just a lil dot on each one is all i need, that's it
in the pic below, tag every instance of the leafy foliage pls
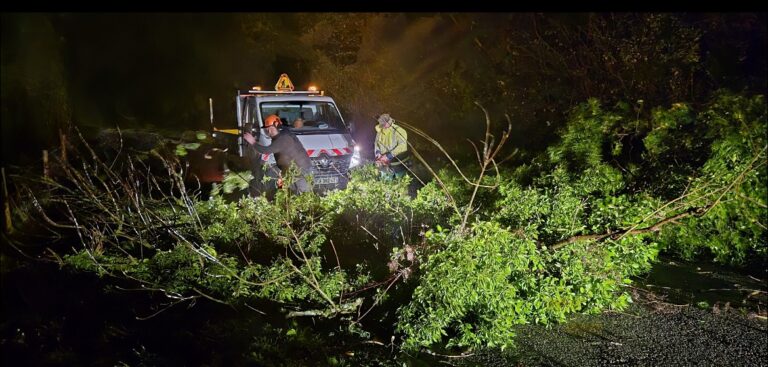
(559, 235)
(735, 229)
(567, 239)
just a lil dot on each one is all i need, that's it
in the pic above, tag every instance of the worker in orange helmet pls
(287, 150)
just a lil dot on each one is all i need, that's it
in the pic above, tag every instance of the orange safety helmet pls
(272, 120)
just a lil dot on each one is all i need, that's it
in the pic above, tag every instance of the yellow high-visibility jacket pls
(391, 141)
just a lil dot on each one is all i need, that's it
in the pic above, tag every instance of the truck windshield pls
(304, 116)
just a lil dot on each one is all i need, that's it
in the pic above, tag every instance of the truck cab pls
(313, 117)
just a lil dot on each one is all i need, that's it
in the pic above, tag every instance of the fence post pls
(63, 140)
(46, 168)
(6, 205)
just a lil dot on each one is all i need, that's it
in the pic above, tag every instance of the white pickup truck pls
(315, 120)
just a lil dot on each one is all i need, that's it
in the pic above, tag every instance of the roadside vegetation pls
(480, 248)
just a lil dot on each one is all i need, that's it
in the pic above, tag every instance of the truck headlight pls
(355, 161)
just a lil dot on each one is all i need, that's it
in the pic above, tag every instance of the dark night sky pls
(158, 70)
(127, 70)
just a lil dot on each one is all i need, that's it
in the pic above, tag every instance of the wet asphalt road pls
(641, 336)
(683, 315)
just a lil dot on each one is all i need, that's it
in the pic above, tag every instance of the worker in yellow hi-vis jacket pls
(391, 147)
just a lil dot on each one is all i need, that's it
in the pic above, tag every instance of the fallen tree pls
(476, 254)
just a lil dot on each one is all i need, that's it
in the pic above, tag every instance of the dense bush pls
(566, 239)
(561, 234)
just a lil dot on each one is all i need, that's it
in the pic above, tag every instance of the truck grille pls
(325, 165)
(330, 173)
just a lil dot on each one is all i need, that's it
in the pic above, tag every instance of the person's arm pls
(377, 145)
(264, 149)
